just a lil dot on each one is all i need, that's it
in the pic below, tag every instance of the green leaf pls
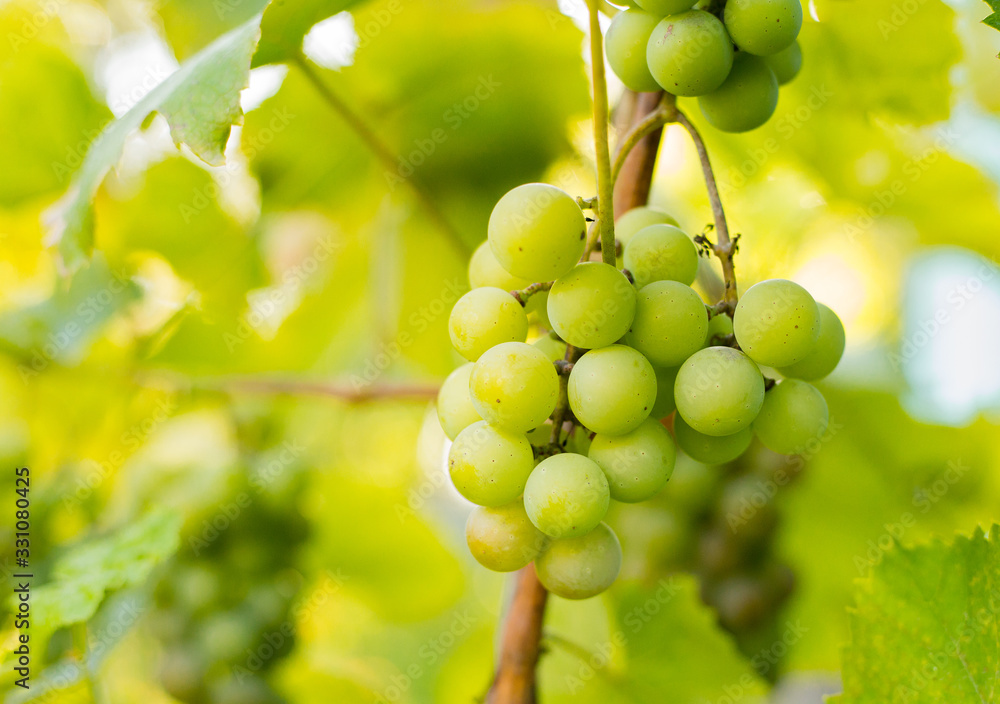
(925, 626)
(994, 19)
(200, 101)
(286, 23)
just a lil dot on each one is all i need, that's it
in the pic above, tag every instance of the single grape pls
(566, 495)
(483, 318)
(708, 449)
(454, 402)
(640, 218)
(786, 64)
(719, 391)
(485, 270)
(579, 441)
(719, 326)
(579, 568)
(763, 27)
(664, 404)
(514, 386)
(612, 390)
(637, 464)
(777, 323)
(592, 305)
(490, 466)
(662, 8)
(537, 232)
(625, 46)
(670, 323)
(794, 415)
(690, 53)
(552, 346)
(661, 253)
(826, 353)
(746, 100)
(537, 309)
(502, 538)
(693, 486)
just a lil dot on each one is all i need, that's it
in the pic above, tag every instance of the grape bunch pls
(545, 435)
(731, 55)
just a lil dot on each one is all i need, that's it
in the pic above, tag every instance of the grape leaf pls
(201, 102)
(994, 19)
(925, 625)
(285, 24)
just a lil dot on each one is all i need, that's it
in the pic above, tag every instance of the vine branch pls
(602, 154)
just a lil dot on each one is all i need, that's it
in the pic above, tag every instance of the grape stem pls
(602, 154)
(527, 292)
(665, 112)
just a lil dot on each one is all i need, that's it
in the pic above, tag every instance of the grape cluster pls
(687, 51)
(546, 435)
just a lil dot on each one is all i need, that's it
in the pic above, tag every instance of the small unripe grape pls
(662, 8)
(690, 53)
(719, 326)
(661, 253)
(612, 390)
(793, 416)
(786, 63)
(625, 45)
(592, 305)
(763, 27)
(514, 386)
(485, 270)
(708, 449)
(746, 100)
(628, 224)
(637, 464)
(503, 539)
(664, 404)
(454, 402)
(670, 323)
(777, 323)
(553, 347)
(537, 232)
(490, 466)
(579, 568)
(483, 318)
(719, 391)
(566, 495)
(826, 353)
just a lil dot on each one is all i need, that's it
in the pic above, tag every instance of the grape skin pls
(592, 305)
(579, 568)
(503, 538)
(662, 8)
(625, 46)
(826, 353)
(720, 326)
(670, 324)
(566, 495)
(483, 318)
(661, 253)
(632, 221)
(454, 402)
(637, 464)
(747, 98)
(690, 53)
(719, 391)
(763, 27)
(664, 404)
(612, 390)
(490, 466)
(794, 415)
(537, 232)
(786, 64)
(708, 449)
(554, 348)
(776, 323)
(485, 270)
(514, 386)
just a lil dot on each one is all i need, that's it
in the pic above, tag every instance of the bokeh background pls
(238, 485)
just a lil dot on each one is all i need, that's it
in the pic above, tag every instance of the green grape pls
(592, 305)
(664, 404)
(719, 391)
(708, 449)
(502, 538)
(777, 323)
(566, 495)
(537, 232)
(786, 64)
(637, 464)
(485, 270)
(719, 326)
(579, 568)
(693, 485)
(612, 390)
(661, 253)
(794, 415)
(640, 218)
(662, 8)
(670, 323)
(537, 309)
(454, 402)
(514, 386)
(763, 27)
(490, 466)
(553, 347)
(579, 441)
(690, 53)
(826, 354)
(746, 100)
(483, 318)
(625, 46)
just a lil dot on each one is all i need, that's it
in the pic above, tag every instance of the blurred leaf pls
(994, 19)
(286, 22)
(925, 625)
(192, 24)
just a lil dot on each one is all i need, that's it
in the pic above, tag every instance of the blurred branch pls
(664, 112)
(635, 174)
